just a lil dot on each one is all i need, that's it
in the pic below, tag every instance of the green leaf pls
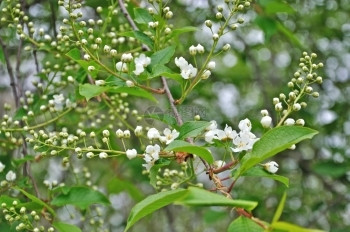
(36, 200)
(192, 129)
(2, 57)
(267, 24)
(279, 209)
(6, 199)
(63, 227)
(81, 197)
(17, 162)
(201, 197)
(153, 203)
(140, 36)
(85, 64)
(135, 91)
(290, 35)
(74, 54)
(154, 170)
(166, 118)
(179, 145)
(288, 227)
(158, 70)
(276, 6)
(273, 142)
(329, 168)
(243, 224)
(260, 172)
(114, 81)
(89, 91)
(117, 185)
(163, 56)
(142, 16)
(182, 30)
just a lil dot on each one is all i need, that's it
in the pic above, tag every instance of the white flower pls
(192, 50)
(103, 155)
(210, 136)
(105, 133)
(151, 156)
(211, 65)
(140, 63)
(130, 83)
(11, 176)
(187, 70)
(264, 112)
(126, 57)
(278, 106)
(131, 153)
(213, 125)
(289, 122)
(126, 134)
(100, 82)
(174, 186)
(244, 141)
(58, 101)
(89, 155)
(169, 135)
(2, 167)
(296, 107)
(206, 74)
(153, 133)
(119, 133)
(121, 67)
(300, 122)
(245, 125)
(271, 167)
(266, 121)
(138, 131)
(227, 133)
(200, 49)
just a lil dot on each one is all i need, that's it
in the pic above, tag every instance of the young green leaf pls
(63, 227)
(201, 197)
(81, 197)
(243, 224)
(179, 145)
(36, 200)
(273, 142)
(74, 54)
(153, 203)
(260, 172)
(135, 91)
(142, 16)
(163, 56)
(89, 91)
(192, 129)
(288, 227)
(279, 209)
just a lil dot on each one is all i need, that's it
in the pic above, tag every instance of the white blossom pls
(245, 139)
(210, 136)
(266, 121)
(187, 70)
(130, 83)
(140, 63)
(245, 125)
(2, 167)
(121, 67)
(126, 57)
(211, 65)
(151, 156)
(200, 49)
(289, 122)
(271, 167)
(100, 82)
(131, 153)
(11, 176)
(153, 133)
(169, 135)
(206, 74)
(103, 155)
(219, 163)
(138, 131)
(119, 133)
(227, 133)
(213, 125)
(58, 101)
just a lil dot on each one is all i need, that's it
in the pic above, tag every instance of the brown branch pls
(225, 167)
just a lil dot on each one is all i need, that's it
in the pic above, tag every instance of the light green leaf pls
(85, 64)
(243, 224)
(63, 227)
(135, 91)
(192, 129)
(279, 209)
(273, 142)
(288, 227)
(153, 203)
(36, 200)
(163, 56)
(74, 54)
(290, 35)
(201, 197)
(267, 24)
(142, 16)
(89, 91)
(260, 172)
(179, 31)
(117, 185)
(179, 145)
(276, 6)
(81, 197)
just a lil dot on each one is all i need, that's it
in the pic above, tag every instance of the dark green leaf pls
(260, 172)
(243, 224)
(179, 145)
(163, 56)
(37, 200)
(62, 227)
(192, 129)
(201, 197)
(273, 142)
(142, 16)
(89, 91)
(116, 186)
(153, 203)
(81, 197)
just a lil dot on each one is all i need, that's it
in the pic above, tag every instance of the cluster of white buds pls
(266, 120)
(196, 49)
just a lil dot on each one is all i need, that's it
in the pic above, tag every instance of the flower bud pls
(271, 167)
(226, 47)
(266, 121)
(289, 122)
(119, 133)
(211, 65)
(296, 107)
(208, 23)
(130, 83)
(300, 122)
(105, 133)
(100, 82)
(131, 153)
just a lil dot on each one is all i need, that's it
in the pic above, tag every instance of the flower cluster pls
(187, 70)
